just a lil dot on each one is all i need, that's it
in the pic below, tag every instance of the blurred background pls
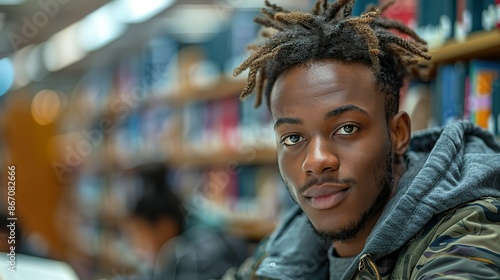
(106, 102)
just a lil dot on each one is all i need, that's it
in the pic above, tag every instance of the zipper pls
(253, 273)
(366, 263)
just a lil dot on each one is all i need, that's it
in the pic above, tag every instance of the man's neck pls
(354, 246)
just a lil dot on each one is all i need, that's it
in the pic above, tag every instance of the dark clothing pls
(201, 253)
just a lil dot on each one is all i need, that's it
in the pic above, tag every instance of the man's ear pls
(400, 130)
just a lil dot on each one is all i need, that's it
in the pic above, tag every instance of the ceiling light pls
(99, 28)
(19, 59)
(136, 11)
(46, 107)
(7, 77)
(35, 68)
(204, 21)
(252, 4)
(62, 49)
(11, 2)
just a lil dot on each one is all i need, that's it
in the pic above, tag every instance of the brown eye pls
(292, 140)
(347, 129)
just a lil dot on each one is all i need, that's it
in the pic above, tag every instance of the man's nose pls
(320, 157)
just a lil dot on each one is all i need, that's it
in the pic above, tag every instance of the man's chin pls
(328, 235)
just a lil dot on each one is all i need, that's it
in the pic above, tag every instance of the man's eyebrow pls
(331, 114)
(340, 110)
(282, 121)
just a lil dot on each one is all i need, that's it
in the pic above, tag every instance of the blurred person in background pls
(171, 246)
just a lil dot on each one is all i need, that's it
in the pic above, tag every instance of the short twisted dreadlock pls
(330, 31)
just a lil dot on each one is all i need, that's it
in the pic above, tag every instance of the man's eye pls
(292, 140)
(347, 129)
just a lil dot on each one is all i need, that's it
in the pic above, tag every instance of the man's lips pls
(325, 196)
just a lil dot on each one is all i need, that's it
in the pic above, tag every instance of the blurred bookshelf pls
(222, 151)
(477, 45)
(246, 156)
(481, 44)
(222, 86)
(458, 83)
(462, 79)
(174, 105)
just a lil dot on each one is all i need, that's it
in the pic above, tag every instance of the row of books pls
(243, 190)
(440, 21)
(227, 123)
(247, 191)
(142, 135)
(158, 69)
(469, 90)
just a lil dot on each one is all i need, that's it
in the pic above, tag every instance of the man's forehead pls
(326, 73)
(324, 83)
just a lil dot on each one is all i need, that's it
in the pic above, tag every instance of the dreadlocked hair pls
(330, 31)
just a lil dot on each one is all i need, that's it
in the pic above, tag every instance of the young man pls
(384, 206)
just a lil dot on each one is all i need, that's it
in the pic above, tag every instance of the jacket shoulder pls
(247, 269)
(463, 242)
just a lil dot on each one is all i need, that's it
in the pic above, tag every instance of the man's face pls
(334, 148)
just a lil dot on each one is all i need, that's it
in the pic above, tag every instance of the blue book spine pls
(451, 107)
(473, 14)
(495, 109)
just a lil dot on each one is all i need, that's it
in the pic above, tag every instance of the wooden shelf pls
(221, 88)
(186, 157)
(484, 44)
(252, 228)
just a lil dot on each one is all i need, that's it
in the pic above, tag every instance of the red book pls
(497, 6)
(402, 10)
(462, 26)
(228, 122)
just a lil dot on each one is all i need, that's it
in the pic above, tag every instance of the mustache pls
(326, 180)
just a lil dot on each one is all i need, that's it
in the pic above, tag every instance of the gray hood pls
(447, 166)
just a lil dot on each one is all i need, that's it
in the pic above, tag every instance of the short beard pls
(385, 178)
(352, 230)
